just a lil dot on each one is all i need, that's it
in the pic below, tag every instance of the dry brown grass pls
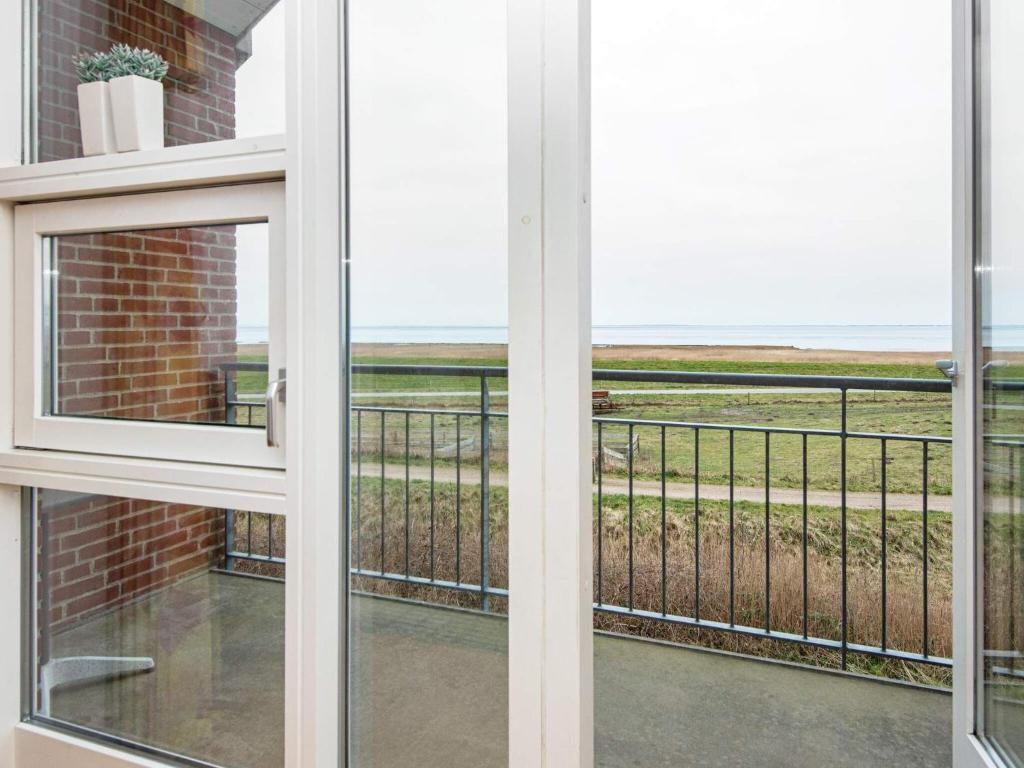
(904, 600)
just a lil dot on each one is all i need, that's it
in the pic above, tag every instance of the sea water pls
(874, 338)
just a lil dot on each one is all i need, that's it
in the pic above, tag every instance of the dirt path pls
(794, 496)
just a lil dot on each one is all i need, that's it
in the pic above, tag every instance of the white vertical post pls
(15, 82)
(12, 92)
(968, 752)
(315, 637)
(550, 604)
(11, 650)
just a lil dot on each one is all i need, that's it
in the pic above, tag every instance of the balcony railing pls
(449, 453)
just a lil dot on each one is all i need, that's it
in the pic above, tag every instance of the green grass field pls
(893, 413)
(883, 412)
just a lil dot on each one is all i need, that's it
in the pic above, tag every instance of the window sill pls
(215, 162)
(37, 746)
(257, 490)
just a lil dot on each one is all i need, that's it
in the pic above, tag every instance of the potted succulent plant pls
(121, 99)
(94, 113)
(137, 97)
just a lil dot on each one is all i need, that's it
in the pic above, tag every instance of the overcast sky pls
(754, 161)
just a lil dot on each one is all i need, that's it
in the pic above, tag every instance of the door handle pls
(275, 395)
(949, 368)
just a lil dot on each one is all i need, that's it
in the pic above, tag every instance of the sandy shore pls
(641, 352)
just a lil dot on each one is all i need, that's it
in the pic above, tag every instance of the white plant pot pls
(96, 119)
(137, 104)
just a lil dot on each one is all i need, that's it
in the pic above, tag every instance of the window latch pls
(949, 369)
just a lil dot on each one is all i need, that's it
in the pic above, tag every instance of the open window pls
(153, 325)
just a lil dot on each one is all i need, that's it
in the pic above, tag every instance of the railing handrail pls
(808, 381)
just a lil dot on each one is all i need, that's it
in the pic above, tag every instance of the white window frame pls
(551, 659)
(116, 437)
(970, 220)
(551, 697)
(264, 158)
(969, 751)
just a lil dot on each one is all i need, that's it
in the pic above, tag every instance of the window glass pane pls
(226, 58)
(771, 187)
(429, 500)
(1001, 278)
(151, 626)
(159, 324)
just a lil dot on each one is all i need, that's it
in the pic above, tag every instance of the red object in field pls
(602, 399)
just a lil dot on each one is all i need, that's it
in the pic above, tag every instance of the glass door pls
(999, 361)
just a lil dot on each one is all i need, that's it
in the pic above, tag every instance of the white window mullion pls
(315, 642)
(968, 752)
(11, 50)
(550, 604)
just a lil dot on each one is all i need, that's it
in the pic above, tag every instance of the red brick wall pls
(145, 319)
(199, 91)
(101, 551)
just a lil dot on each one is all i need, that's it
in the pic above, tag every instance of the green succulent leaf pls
(143, 62)
(93, 67)
(121, 60)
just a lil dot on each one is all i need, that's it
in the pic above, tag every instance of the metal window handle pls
(275, 394)
(949, 368)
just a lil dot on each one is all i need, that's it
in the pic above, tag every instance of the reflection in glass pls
(1002, 357)
(158, 324)
(151, 629)
(429, 502)
(226, 77)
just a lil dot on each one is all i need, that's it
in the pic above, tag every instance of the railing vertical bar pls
(664, 537)
(1012, 493)
(924, 549)
(359, 489)
(696, 524)
(485, 494)
(407, 493)
(383, 486)
(804, 542)
(732, 528)
(458, 499)
(629, 455)
(248, 538)
(1016, 485)
(270, 536)
(600, 513)
(229, 539)
(885, 546)
(842, 528)
(767, 534)
(433, 561)
(230, 397)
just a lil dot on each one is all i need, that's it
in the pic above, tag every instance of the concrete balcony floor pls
(431, 689)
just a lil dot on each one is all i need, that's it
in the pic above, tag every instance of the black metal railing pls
(237, 409)
(373, 455)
